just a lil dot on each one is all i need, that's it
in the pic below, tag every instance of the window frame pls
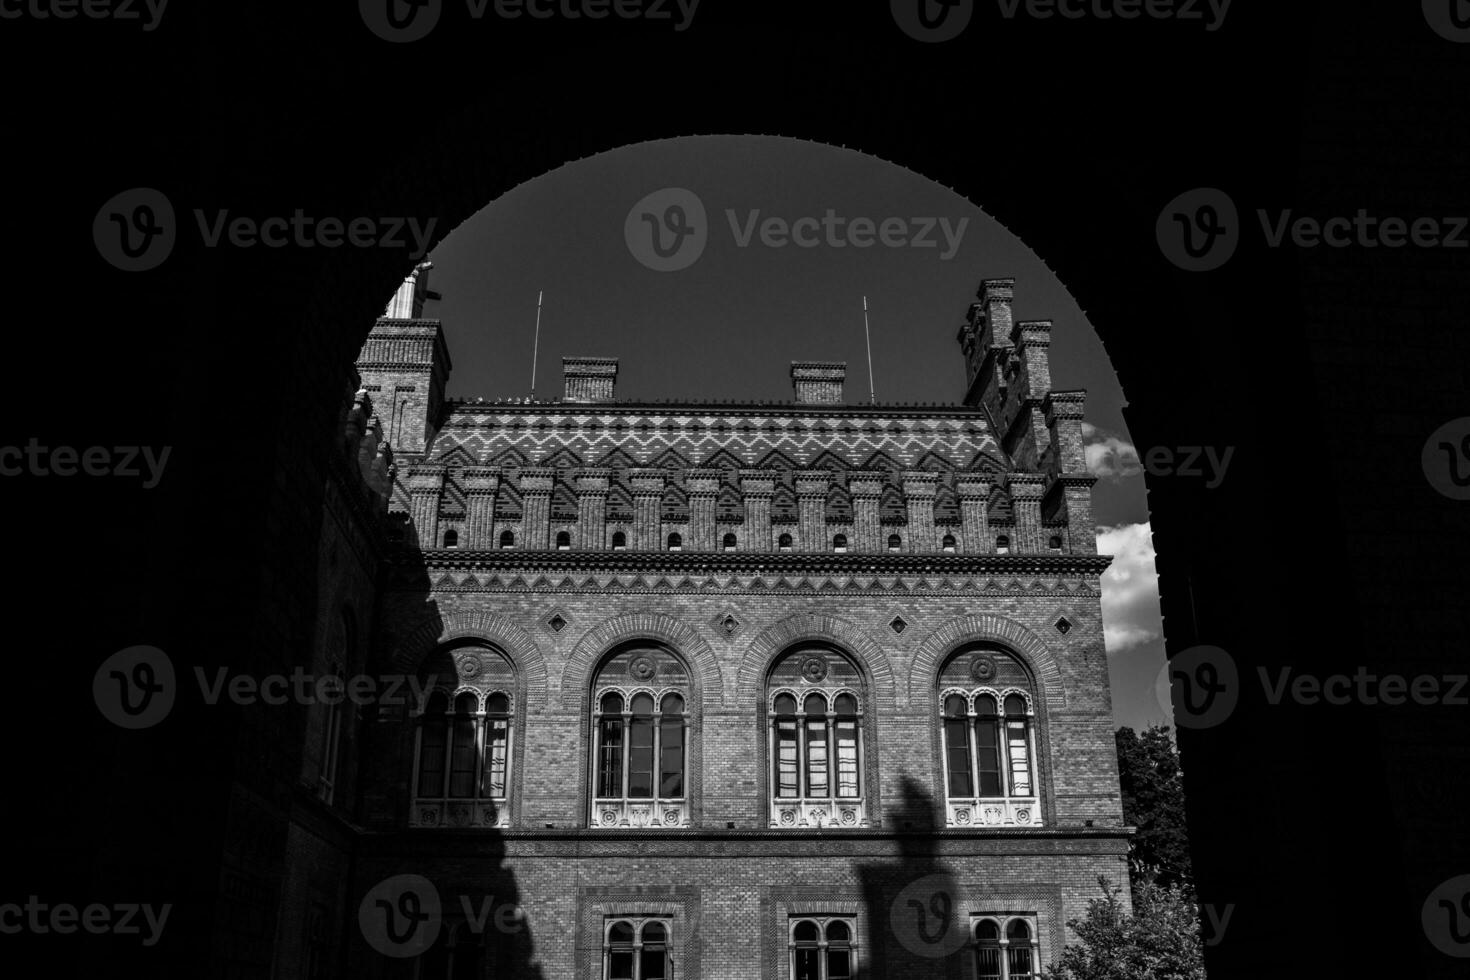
(826, 807)
(638, 923)
(481, 718)
(1009, 807)
(823, 945)
(625, 806)
(1004, 945)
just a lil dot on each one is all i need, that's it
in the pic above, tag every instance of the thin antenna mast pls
(536, 344)
(872, 397)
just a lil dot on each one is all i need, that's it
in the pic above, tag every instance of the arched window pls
(637, 949)
(563, 541)
(1002, 545)
(455, 954)
(839, 542)
(729, 542)
(814, 714)
(676, 542)
(463, 745)
(1054, 543)
(342, 647)
(948, 544)
(620, 541)
(507, 539)
(823, 948)
(894, 542)
(987, 728)
(784, 542)
(640, 724)
(451, 538)
(1004, 948)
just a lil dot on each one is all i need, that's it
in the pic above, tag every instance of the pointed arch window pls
(640, 725)
(814, 714)
(988, 740)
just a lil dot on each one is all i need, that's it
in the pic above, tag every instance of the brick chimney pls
(818, 382)
(589, 379)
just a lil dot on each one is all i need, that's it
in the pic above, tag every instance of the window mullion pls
(833, 768)
(801, 750)
(971, 720)
(627, 756)
(448, 752)
(477, 771)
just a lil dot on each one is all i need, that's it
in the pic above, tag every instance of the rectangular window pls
(957, 757)
(786, 762)
(987, 747)
(847, 759)
(610, 765)
(497, 744)
(640, 758)
(816, 758)
(462, 760)
(1020, 758)
(431, 758)
(671, 758)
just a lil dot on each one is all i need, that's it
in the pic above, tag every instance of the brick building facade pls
(706, 690)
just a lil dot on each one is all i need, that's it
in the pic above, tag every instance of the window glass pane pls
(642, 704)
(844, 704)
(655, 963)
(785, 704)
(1015, 704)
(815, 704)
(987, 748)
(847, 759)
(837, 932)
(640, 756)
(497, 704)
(621, 932)
(673, 704)
(610, 763)
(654, 932)
(1017, 931)
(612, 703)
(431, 756)
(1020, 963)
(839, 964)
(1020, 758)
(987, 962)
(620, 965)
(462, 760)
(786, 767)
(805, 932)
(497, 740)
(957, 756)
(987, 931)
(805, 965)
(954, 706)
(816, 757)
(465, 704)
(671, 758)
(985, 705)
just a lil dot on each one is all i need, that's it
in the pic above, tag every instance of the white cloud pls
(1109, 457)
(1130, 588)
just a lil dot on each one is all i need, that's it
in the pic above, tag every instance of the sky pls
(729, 322)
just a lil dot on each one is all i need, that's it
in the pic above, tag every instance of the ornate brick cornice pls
(673, 562)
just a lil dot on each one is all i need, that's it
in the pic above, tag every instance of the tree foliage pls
(1160, 940)
(1153, 801)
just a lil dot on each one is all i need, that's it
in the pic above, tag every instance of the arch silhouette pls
(807, 626)
(493, 628)
(982, 627)
(646, 624)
